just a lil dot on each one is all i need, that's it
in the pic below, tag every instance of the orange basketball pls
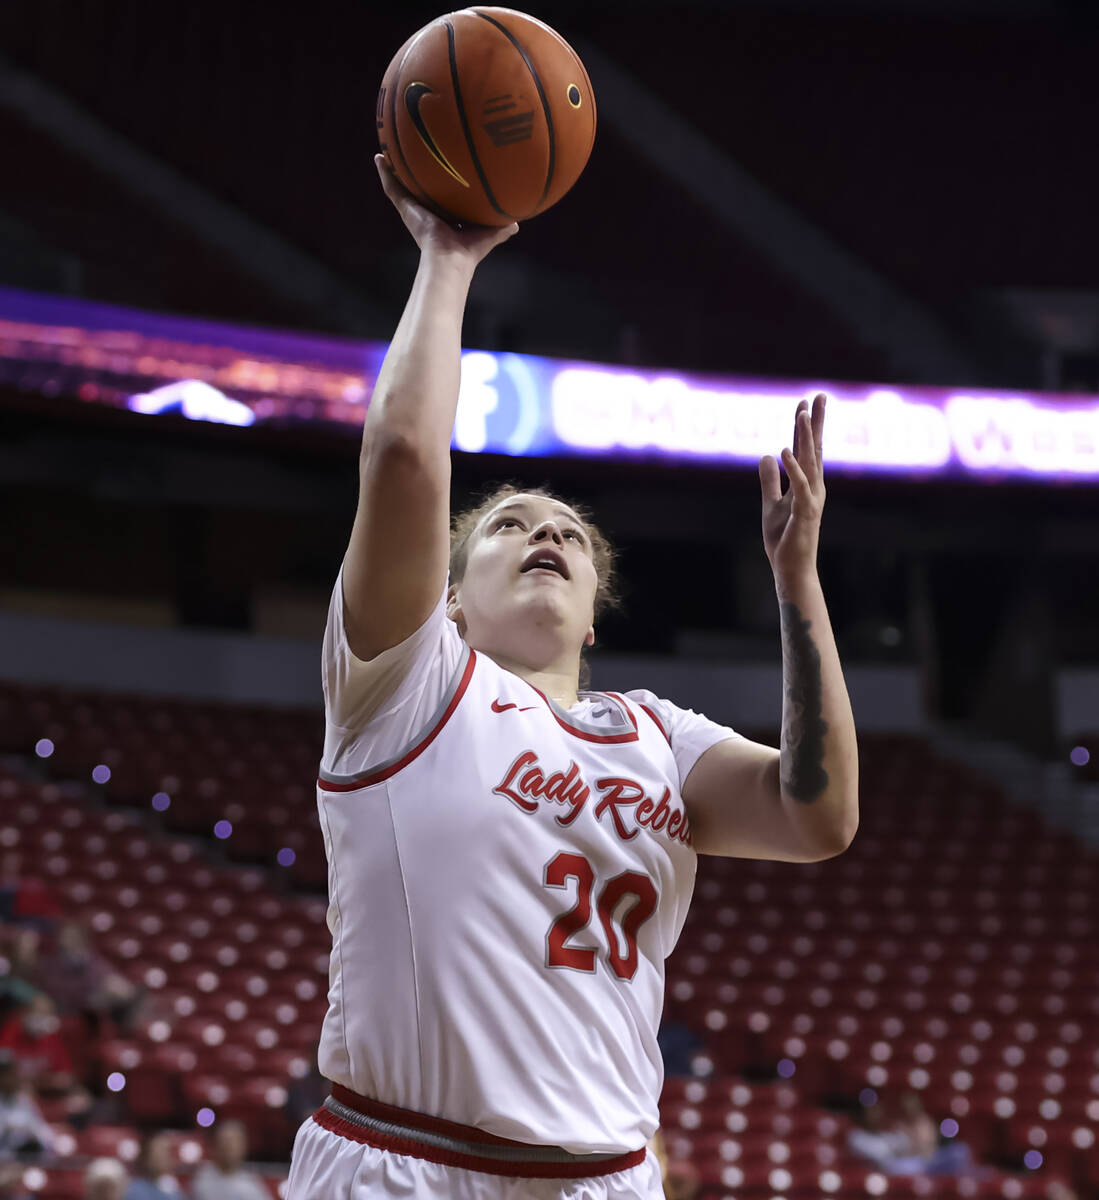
(487, 116)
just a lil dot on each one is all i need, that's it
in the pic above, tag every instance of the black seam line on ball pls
(425, 196)
(541, 96)
(465, 123)
(397, 88)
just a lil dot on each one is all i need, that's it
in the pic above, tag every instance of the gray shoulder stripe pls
(418, 737)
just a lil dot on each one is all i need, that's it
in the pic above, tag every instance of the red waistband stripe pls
(406, 1118)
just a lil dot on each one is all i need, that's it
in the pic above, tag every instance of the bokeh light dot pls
(205, 1117)
(286, 857)
(222, 829)
(868, 1096)
(161, 801)
(949, 1128)
(1033, 1159)
(101, 773)
(116, 1081)
(786, 1067)
(1080, 756)
(43, 747)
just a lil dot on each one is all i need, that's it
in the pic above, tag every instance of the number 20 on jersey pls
(566, 866)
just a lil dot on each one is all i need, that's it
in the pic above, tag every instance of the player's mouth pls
(546, 559)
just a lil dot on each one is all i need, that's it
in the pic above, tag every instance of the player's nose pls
(547, 529)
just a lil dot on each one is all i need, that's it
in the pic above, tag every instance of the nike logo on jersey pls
(525, 784)
(498, 707)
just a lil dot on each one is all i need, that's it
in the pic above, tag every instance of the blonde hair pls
(102, 1170)
(463, 525)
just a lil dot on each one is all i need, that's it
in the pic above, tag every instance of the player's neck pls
(560, 685)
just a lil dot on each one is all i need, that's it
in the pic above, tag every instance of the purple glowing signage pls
(869, 427)
(516, 404)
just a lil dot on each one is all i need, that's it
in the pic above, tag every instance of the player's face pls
(530, 580)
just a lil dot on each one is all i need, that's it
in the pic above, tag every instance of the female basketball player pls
(510, 859)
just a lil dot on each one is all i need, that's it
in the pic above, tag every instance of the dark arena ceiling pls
(946, 148)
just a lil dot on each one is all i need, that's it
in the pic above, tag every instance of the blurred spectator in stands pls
(24, 1132)
(917, 1126)
(884, 1146)
(81, 981)
(11, 1182)
(153, 1178)
(683, 1181)
(105, 1179)
(940, 1157)
(16, 949)
(223, 1177)
(678, 1046)
(305, 1095)
(660, 1151)
(1055, 1191)
(32, 1036)
(25, 899)
(910, 1145)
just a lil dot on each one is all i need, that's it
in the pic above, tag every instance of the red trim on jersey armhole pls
(658, 723)
(418, 749)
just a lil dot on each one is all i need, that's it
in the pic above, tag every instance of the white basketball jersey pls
(502, 895)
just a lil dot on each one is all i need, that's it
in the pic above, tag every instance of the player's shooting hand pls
(791, 522)
(431, 233)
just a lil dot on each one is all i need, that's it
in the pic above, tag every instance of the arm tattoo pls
(801, 761)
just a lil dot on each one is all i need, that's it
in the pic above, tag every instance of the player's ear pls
(589, 637)
(454, 609)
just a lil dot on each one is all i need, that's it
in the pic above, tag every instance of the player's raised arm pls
(396, 561)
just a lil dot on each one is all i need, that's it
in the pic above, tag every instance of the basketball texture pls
(487, 116)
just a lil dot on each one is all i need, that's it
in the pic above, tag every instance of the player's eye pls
(573, 533)
(506, 521)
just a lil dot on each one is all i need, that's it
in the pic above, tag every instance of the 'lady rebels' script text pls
(525, 783)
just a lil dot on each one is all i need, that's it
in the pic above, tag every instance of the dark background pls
(946, 147)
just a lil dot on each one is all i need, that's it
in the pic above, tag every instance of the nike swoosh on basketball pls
(497, 707)
(413, 94)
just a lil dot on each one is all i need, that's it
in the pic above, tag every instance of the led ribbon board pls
(517, 404)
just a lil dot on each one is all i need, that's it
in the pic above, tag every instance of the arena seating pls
(951, 951)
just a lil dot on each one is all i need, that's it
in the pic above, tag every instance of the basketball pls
(487, 116)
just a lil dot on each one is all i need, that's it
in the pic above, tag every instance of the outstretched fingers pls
(819, 403)
(799, 481)
(808, 436)
(803, 406)
(770, 480)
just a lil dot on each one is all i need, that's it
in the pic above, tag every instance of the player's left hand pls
(791, 522)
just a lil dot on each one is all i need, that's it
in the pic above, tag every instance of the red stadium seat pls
(153, 1093)
(60, 1183)
(109, 1141)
